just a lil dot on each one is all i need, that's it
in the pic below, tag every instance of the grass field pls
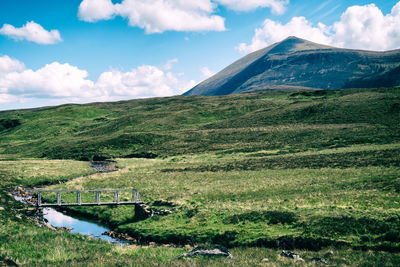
(282, 121)
(303, 207)
(25, 243)
(315, 172)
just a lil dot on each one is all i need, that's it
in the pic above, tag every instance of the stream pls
(79, 225)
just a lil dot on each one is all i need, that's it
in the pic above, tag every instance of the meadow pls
(315, 172)
(248, 211)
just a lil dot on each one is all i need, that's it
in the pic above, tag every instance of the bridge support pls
(142, 212)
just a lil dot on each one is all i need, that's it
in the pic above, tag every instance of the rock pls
(128, 238)
(318, 260)
(6, 261)
(142, 212)
(120, 236)
(152, 243)
(48, 225)
(291, 255)
(217, 251)
(265, 260)
(329, 253)
(1, 208)
(110, 234)
(65, 228)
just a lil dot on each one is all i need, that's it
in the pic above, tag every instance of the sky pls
(81, 51)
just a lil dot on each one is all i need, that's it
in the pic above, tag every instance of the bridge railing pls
(133, 199)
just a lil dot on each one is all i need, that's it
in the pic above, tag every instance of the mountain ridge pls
(295, 63)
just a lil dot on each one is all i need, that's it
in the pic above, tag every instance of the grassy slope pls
(302, 207)
(309, 169)
(21, 241)
(288, 122)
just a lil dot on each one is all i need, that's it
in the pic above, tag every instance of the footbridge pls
(89, 197)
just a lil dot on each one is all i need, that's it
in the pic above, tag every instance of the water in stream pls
(78, 225)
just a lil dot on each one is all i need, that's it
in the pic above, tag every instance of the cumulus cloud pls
(144, 81)
(360, 27)
(8, 64)
(277, 6)
(94, 10)
(33, 32)
(272, 32)
(156, 16)
(206, 72)
(69, 83)
(367, 27)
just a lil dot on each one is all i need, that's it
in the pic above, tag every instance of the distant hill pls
(296, 64)
(284, 122)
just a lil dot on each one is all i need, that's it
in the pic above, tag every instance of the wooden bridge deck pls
(134, 199)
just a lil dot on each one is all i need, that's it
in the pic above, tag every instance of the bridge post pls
(39, 201)
(135, 195)
(116, 196)
(58, 198)
(98, 197)
(78, 197)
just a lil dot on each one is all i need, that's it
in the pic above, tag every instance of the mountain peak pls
(295, 44)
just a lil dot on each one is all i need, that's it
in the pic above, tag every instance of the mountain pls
(295, 64)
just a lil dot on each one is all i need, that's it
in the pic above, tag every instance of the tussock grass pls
(309, 171)
(291, 122)
(303, 207)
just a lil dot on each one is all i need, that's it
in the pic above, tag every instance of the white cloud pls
(33, 32)
(156, 16)
(360, 27)
(272, 32)
(366, 27)
(8, 64)
(144, 81)
(55, 80)
(277, 6)
(6, 98)
(206, 72)
(94, 10)
(66, 83)
(169, 63)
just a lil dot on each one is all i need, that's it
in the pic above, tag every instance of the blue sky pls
(79, 51)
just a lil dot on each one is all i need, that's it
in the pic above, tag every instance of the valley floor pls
(343, 207)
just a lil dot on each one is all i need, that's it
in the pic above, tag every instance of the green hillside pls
(312, 171)
(282, 122)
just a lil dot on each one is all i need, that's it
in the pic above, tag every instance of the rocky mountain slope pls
(295, 64)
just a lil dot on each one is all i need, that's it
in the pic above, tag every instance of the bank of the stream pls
(282, 208)
(54, 219)
(73, 223)
(23, 242)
